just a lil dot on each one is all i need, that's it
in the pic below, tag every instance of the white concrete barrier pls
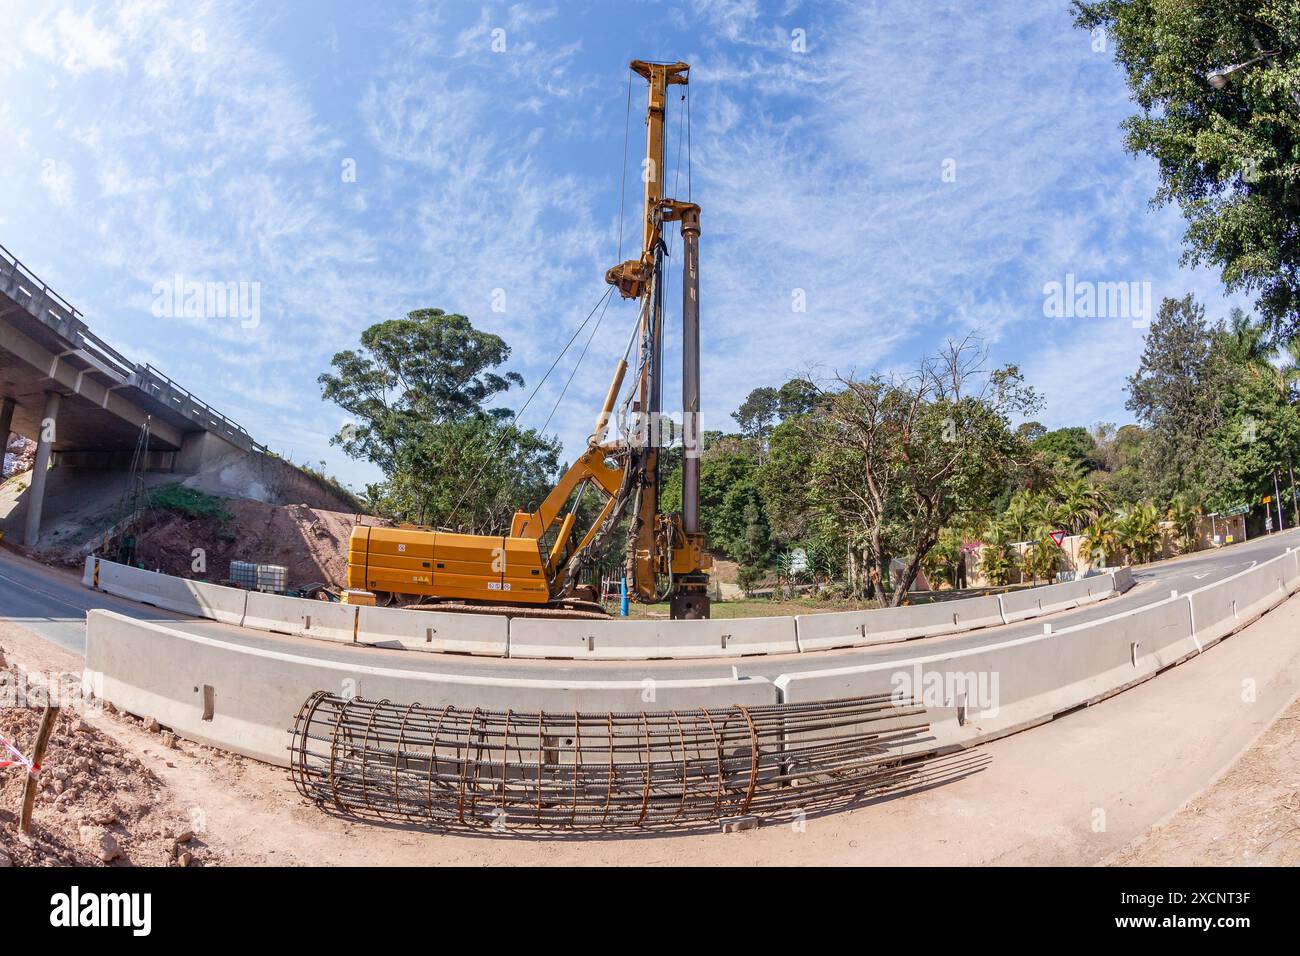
(438, 631)
(244, 697)
(482, 634)
(195, 598)
(1228, 605)
(274, 612)
(88, 573)
(649, 640)
(1033, 602)
(1123, 579)
(493, 635)
(818, 632)
(326, 621)
(984, 692)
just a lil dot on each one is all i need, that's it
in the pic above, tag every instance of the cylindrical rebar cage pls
(448, 766)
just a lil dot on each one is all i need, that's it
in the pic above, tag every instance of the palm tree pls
(1018, 518)
(1041, 559)
(1080, 500)
(1185, 513)
(1100, 540)
(1138, 532)
(995, 558)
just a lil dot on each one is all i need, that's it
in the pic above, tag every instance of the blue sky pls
(211, 140)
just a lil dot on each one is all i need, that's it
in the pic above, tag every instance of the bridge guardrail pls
(59, 315)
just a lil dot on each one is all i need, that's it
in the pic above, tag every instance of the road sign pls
(1058, 537)
(1267, 499)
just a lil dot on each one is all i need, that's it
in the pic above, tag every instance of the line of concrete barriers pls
(493, 635)
(241, 695)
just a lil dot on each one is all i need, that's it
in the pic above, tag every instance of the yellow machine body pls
(422, 562)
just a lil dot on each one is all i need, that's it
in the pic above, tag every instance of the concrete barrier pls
(243, 697)
(88, 573)
(195, 598)
(438, 631)
(274, 612)
(650, 640)
(493, 635)
(483, 634)
(1032, 602)
(980, 693)
(818, 632)
(1123, 579)
(326, 621)
(1231, 604)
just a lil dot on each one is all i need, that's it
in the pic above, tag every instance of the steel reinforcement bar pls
(451, 767)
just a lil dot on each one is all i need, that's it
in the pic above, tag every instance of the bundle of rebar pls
(455, 767)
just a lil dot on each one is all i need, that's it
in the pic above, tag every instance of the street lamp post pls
(1220, 76)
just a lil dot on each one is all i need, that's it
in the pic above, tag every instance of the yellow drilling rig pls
(536, 568)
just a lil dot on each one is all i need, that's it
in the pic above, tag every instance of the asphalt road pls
(53, 604)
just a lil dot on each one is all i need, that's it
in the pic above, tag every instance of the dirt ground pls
(147, 794)
(311, 543)
(19, 454)
(1249, 817)
(99, 801)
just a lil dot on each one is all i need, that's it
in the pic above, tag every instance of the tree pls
(1068, 449)
(796, 397)
(1184, 514)
(1079, 500)
(1227, 156)
(753, 545)
(417, 390)
(1176, 392)
(471, 473)
(1138, 532)
(757, 413)
(895, 460)
(427, 367)
(1100, 540)
(996, 559)
(1042, 559)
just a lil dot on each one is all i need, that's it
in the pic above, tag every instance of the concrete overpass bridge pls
(84, 403)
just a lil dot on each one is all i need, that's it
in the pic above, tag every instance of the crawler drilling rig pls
(537, 567)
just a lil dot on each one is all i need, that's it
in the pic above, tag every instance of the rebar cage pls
(451, 767)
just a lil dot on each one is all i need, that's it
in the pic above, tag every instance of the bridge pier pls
(6, 424)
(40, 468)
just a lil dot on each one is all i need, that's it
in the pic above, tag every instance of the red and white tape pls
(22, 761)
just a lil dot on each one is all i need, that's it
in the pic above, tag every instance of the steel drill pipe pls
(452, 767)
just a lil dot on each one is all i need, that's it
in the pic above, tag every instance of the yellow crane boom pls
(539, 562)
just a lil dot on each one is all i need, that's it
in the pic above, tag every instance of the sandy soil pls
(1249, 817)
(311, 543)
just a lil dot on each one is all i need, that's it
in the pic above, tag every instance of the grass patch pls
(189, 503)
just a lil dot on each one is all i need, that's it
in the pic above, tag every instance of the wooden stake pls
(38, 754)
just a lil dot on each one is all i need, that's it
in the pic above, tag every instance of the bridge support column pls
(36, 493)
(6, 422)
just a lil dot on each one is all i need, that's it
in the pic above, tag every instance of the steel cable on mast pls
(514, 421)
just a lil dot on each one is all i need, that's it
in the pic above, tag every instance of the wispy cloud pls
(873, 176)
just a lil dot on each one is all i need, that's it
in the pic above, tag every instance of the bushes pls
(189, 503)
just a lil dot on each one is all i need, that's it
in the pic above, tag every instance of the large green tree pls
(892, 461)
(1176, 392)
(1227, 141)
(418, 390)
